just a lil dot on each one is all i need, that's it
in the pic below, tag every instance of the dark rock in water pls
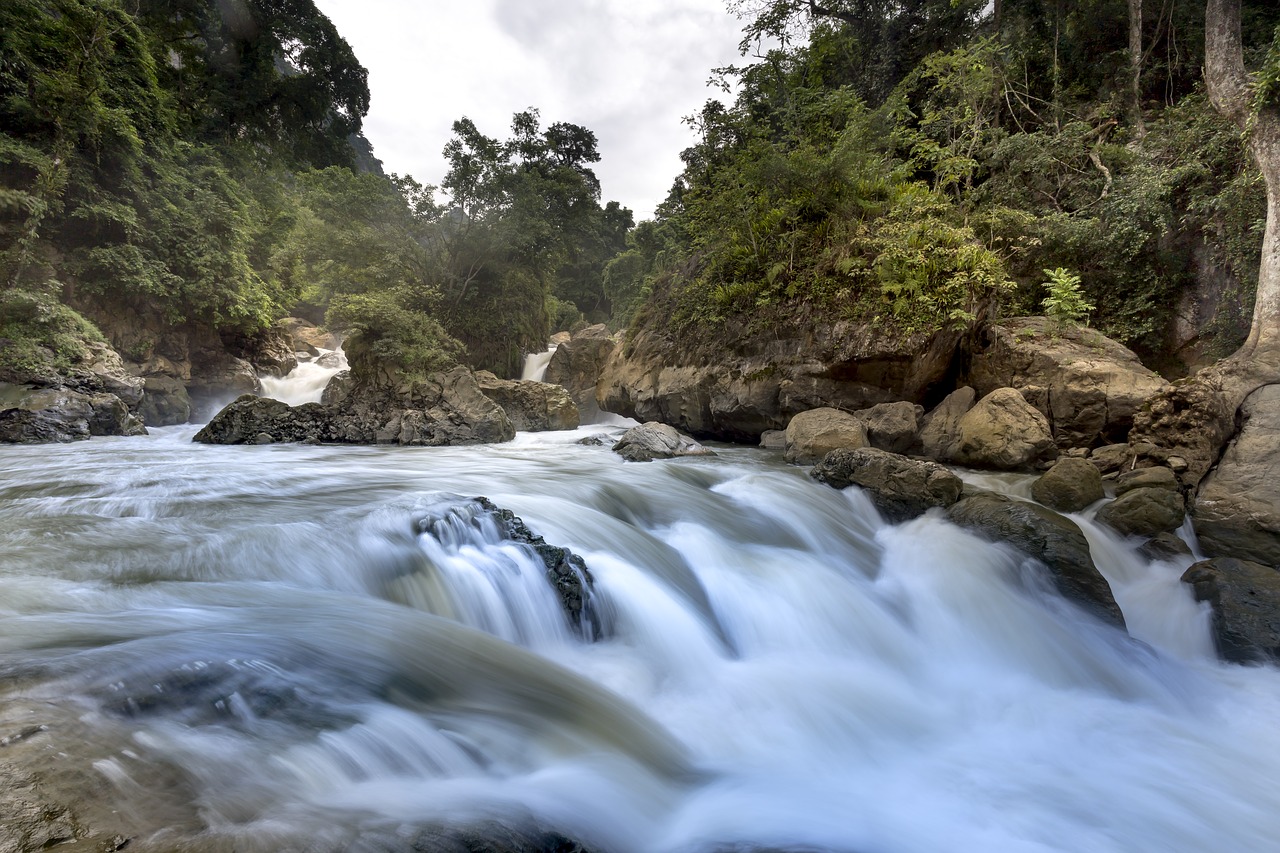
(596, 440)
(112, 417)
(653, 440)
(20, 426)
(813, 434)
(1237, 511)
(1144, 511)
(1165, 546)
(44, 415)
(566, 571)
(1046, 536)
(1069, 486)
(532, 406)
(1245, 597)
(249, 418)
(901, 488)
(1158, 477)
(269, 350)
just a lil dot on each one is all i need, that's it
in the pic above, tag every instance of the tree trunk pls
(1135, 68)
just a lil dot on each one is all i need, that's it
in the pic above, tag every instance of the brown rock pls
(1069, 486)
(812, 435)
(901, 488)
(1002, 431)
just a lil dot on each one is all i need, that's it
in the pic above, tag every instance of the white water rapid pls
(306, 648)
(535, 364)
(306, 382)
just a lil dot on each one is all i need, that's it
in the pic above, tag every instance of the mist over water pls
(260, 649)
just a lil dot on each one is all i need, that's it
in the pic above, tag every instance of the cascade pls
(326, 648)
(535, 364)
(306, 382)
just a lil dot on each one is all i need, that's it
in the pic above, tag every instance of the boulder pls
(901, 488)
(577, 363)
(559, 338)
(44, 415)
(1069, 486)
(1002, 431)
(892, 426)
(813, 434)
(1165, 546)
(262, 420)
(738, 383)
(653, 440)
(1245, 597)
(531, 406)
(1110, 458)
(774, 439)
(270, 350)
(100, 369)
(1144, 512)
(1237, 511)
(1157, 477)
(110, 416)
(1088, 386)
(1048, 537)
(941, 427)
(165, 402)
(307, 336)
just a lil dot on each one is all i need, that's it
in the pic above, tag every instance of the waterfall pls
(535, 364)
(306, 382)
(326, 648)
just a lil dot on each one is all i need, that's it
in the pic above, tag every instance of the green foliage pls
(396, 330)
(39, 335)
(1066, 304)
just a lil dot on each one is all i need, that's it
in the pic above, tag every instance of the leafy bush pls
(1066, 304)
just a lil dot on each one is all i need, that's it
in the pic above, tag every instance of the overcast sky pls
(627, 69)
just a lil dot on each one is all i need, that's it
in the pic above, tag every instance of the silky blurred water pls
(258, 648)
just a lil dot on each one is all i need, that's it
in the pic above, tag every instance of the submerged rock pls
(1245, 597)
(1069, 486)
(813, 434)
(901, 488)
(653, 440)
(1048, 537)
(1002, 431)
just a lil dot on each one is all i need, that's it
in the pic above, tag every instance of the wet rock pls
(1144, 512)
(1237, 511)
(110, 416)
(261, 420)
(21, 426)
(577, 363)
(892, 426)
(45, 415)
(596, 440)
(269, 350)
(813, 434)
(774, 439)
(1088, 386)
(329, 360)
(1002, 431)
(941, 427)
(1147, 478)
(165, 402)
(1165, 546)
(1069, 486)
(901, 488)
(566, 571)
(532, 406)
(653, 440)
(1048, 537)
(1245, 597)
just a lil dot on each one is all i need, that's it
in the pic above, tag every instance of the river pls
(258, 649)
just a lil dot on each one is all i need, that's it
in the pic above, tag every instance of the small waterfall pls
(535, 365)
(306, 382)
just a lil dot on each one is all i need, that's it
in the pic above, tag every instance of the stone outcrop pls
(270, 350)
(44, 415)
(1048, 537)
(941, 427)
(532, 406)
(748, 383)
(1144, 512)
(1087, 385)
(1245, 597)
(1237, 511)
(901, 488)
(653, 440)
(1002, 431)
(1147, 478)
(1069, 486)
(813, 434)
(577, 363)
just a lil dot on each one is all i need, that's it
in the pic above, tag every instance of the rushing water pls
(306, 382)
(535, 364)
(258, 649)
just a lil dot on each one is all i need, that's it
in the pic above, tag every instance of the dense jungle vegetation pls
(920, 163)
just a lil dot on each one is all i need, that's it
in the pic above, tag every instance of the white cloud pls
(627, 69)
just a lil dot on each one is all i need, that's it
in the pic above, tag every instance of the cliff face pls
(756, 383)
